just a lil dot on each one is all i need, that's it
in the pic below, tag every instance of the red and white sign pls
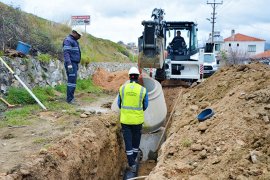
(80, 20)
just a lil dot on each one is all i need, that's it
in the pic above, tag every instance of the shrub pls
(83, 85)
(21, 96)
(44, 93)
(44, 57)
(61, 88)
(87, 85)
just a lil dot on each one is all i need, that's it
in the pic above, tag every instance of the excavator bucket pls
(151, 46)
(151, 58)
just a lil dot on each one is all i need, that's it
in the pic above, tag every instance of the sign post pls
(80, 20)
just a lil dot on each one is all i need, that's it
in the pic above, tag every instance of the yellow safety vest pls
(132, 95)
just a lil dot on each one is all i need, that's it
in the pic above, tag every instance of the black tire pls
(160, 75)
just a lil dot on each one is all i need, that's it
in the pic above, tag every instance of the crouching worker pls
(132, 102)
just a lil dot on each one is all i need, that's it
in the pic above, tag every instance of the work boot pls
(133, 168)
(139, 156)
(73, 102)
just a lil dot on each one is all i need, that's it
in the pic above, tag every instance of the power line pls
(226, 5)
(214, 5)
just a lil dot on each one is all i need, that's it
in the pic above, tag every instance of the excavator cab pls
(186, 46)
(178, 45)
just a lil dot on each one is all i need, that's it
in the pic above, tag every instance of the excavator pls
(170, 61)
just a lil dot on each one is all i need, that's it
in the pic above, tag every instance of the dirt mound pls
(234, 143)
(110, 81)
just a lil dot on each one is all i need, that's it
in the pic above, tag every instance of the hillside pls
(47, 36)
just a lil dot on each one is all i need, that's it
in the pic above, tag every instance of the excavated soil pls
(232, 144)
(110, 81)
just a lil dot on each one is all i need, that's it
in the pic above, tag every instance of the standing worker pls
(72, 57)
(132, 102)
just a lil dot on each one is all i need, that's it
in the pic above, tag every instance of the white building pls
(243, 45)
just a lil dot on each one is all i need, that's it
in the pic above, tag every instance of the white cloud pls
(121, 20)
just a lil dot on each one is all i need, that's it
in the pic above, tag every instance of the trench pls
(96, 151)
(155, 115)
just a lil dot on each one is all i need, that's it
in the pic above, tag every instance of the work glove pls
(70, 68)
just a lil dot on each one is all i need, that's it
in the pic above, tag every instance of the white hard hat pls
(133, 70)
(78, 30)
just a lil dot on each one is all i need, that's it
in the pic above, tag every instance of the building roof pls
(265, 54)
(242, 37)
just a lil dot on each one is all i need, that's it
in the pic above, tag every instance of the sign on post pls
(80, 20)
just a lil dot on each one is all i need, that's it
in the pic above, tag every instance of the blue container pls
(205, 114)
(23, 47)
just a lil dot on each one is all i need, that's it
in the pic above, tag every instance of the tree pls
(234, 57)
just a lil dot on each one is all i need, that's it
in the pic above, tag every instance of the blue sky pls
(121, 20)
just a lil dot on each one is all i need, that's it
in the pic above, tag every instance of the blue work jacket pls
(71, 49)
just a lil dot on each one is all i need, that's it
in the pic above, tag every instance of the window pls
(217, 47)
(209, 58)
(251, 48)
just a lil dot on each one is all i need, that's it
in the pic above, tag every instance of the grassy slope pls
(47, 37)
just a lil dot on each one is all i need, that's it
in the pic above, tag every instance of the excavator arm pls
(151, 43)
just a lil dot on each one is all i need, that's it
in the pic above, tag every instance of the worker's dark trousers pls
(71, 84)
(132, 138)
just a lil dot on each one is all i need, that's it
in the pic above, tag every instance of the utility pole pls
(214, 5)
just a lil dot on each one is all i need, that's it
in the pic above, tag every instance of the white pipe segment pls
(22, 83)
